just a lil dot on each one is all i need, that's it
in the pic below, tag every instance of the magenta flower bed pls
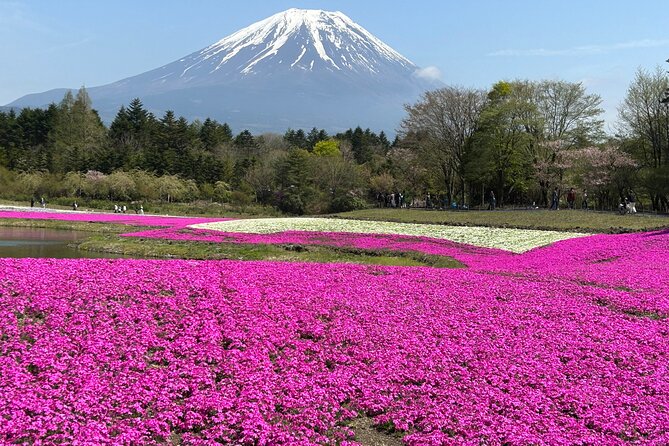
(205, 352)
(564, 344)
(637, 263)
(632, 268)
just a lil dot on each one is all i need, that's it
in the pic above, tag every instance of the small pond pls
(41, 242)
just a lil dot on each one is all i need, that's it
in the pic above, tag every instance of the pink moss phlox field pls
(632, 268)
(561, 345)
(636, 265)
(126, 219)
(205, 352)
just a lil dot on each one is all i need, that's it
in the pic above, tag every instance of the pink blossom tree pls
(598, 170)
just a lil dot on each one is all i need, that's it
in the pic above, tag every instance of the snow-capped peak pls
(299, 68)
(304, 39)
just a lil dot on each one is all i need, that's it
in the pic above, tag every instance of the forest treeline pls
(519, 139)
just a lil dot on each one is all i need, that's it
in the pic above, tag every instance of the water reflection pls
(41, 242)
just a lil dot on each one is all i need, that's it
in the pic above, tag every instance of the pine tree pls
(296, 139)
(209, 135)
(361, 151)
(246, 143)
(35, 150)
(139, 117)
(383, 141)
(77, 132)
(212, 134)
(133, 136)
(226, 132)
(315, 136)
(10, 139)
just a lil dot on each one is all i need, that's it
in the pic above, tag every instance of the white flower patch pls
(514, 240)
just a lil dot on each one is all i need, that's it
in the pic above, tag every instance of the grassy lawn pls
(161, 248)
(562, 220)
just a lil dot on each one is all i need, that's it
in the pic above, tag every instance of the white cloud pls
(584, 50)
(430, 73)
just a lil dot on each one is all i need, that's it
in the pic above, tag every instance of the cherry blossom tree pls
(602, 171)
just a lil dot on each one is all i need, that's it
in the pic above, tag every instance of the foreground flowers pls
(514, 240)
(563, 344)
(145, 352)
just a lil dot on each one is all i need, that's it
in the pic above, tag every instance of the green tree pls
(361, 150)
(245, 143)
(212, 134)
(121, 186)
(327, 148)
(77, 132)
(337, 179)
(132, 135)
(10, 139)
(383, 141)
(503, 142)
(315, 136)
(74, 183)
(440, 126)
(296, 139)
(294, 182)
(644, 122)
(32, 147)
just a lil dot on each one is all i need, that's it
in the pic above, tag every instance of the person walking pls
(556, 199)
(492, 201)
(571, 198)
(584, 203)
(631, 202)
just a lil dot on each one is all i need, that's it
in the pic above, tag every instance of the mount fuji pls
(298, 68)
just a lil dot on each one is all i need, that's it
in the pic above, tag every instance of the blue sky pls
(68, 43)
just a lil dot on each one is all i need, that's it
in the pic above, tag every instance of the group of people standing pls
(400, 200)
(123, 209)
(555, 199)
(390, 200)
(42, 202)
(571, 199)
(118, 209)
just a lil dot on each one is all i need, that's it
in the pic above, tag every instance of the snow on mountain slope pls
(285, 43)
(338, 42)
(274, 74)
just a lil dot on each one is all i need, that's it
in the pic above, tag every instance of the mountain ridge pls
(326, 71)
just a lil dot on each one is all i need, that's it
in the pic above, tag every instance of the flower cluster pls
(562, 344)
(198, 352)
(514, 240)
